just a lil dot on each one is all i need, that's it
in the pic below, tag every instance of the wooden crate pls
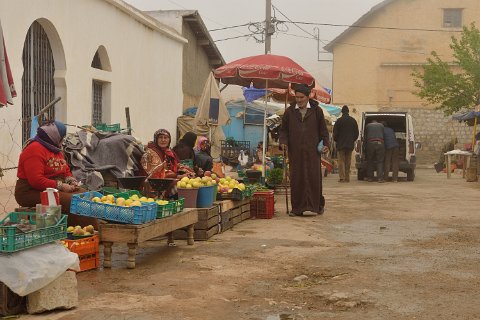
(199, 234)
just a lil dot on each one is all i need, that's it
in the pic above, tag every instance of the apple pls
(89, 229)
(70, 229)
(213, 175)
(207, 173)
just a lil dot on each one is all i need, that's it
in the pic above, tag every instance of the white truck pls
(401, 123)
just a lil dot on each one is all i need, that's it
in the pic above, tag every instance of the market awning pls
(466, 116)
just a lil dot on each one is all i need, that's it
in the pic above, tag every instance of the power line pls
(236, 37)
(370, 27)
(207, 18)
(275, 8)
(231, 27)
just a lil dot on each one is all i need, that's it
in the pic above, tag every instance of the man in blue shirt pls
(391, 152)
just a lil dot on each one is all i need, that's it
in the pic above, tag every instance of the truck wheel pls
(411, 175)
(360, 175)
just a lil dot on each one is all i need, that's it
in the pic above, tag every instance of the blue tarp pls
(252, 94)
(466, 116)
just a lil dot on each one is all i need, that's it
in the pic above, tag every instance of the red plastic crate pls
(262, 205)
(87, 250)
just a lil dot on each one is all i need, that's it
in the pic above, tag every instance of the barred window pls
(97, 102)
(452, 18)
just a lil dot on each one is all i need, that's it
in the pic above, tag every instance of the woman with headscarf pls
(42, 165)
(203, 159)
(184, 147)
(159, 161)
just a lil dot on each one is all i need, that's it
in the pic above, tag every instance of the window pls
(452, 18)
(97, 102)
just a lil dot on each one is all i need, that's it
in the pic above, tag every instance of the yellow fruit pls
(104, 198)
(185, 179)
(96, 199)
(89, 229)
(189, 186)
(143, 199)
(120, 201)
(136, 203)
(128, 202)
(110, 197)
(134, 197)
(70, 229)
(150, 200)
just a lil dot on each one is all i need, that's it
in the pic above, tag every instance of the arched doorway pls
(38, 86)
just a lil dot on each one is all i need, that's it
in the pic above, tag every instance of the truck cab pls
(402, 124)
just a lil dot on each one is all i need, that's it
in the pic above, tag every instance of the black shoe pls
(295, 214)
(322, 210)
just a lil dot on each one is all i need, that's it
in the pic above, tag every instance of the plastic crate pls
(108, 127)
(165, 210)
(187, 162)
(10, 302)
(179, 205)
(127, 194)
(81, 204)
(87, 250)
(109, 190)
(12, 239)
(262, 205)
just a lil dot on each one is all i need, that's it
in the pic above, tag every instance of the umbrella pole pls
(474, 132)
(264, 130)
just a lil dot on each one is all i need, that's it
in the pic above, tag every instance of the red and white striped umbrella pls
(266, 70)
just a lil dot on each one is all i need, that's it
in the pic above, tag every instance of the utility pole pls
(268, 27)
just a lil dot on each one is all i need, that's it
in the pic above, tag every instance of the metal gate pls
(38, 87)
(97, 102)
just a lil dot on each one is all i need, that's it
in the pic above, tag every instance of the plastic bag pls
(30, 270)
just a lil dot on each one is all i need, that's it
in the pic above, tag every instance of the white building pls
(99, 56)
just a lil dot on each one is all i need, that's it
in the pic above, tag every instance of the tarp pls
(466, 116)
(186, 123)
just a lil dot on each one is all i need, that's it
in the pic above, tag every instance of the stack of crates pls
(87, 250)
(262, 204)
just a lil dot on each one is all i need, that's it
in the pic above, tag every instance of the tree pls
(453, 91)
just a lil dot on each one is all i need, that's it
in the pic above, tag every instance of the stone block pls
(60, 294)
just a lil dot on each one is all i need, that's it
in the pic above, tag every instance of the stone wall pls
(433, 130)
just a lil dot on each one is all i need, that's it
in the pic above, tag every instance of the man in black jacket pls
(345, 133)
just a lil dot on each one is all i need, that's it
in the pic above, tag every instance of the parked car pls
(401, 123)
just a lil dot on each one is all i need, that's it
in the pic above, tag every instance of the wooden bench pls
(132, 234)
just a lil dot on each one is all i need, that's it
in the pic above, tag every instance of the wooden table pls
(133, 234)
(466, 161)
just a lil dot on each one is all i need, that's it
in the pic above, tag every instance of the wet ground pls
(407, 250)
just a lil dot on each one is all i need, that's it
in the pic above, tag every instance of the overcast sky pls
(291, 41)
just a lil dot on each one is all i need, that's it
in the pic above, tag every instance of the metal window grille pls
(97, 98)
(452, 18)
(96, 63)
(38, 88)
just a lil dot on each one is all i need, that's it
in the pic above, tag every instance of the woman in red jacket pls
(42, 165)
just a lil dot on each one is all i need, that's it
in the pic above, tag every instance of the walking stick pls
(286, 176)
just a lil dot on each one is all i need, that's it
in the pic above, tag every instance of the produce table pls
(466, 160)
(132, 234)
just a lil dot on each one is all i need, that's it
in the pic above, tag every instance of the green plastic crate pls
(108, 127)
(127, 194)
(109, 190)
(187, 162)
(12, 239)
(179, 205)
(165, 210)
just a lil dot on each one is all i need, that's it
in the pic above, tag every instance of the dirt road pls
(381, 251)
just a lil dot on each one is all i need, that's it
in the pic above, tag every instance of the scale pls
(132, 183)
(160, 186)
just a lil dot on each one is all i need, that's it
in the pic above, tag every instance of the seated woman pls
(184, 148)
(159, 161)
(42, 165)
(203, 159)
